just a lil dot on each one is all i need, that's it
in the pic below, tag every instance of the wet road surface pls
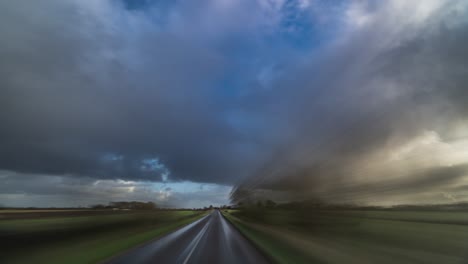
(211, 239)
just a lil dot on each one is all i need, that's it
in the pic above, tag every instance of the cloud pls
(25, 190)
(303, 97)
(95, 79)
(397, 71)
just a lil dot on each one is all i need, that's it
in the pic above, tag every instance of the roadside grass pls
(349, 236)
(85, 239)
(277, 250)
(21, 211)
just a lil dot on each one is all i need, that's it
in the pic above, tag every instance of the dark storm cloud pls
(379, 88)
(85, 82)
(256, 92)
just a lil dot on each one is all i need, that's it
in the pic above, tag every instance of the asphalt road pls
(211, 239)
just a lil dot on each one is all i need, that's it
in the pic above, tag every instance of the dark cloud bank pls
(146, 92)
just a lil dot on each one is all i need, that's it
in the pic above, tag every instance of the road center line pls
(196, 241)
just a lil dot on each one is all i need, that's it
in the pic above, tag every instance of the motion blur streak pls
(379, 116)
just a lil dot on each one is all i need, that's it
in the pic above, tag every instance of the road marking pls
(196, 241)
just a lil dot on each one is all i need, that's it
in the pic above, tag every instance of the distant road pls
(208, 240)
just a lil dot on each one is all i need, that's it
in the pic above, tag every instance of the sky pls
(198, 103)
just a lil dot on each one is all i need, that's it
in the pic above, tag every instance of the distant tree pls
(134, 205)
(98, 206)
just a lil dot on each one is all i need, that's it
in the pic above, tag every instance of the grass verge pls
(90, 239)
(356, 236)
(276, 249)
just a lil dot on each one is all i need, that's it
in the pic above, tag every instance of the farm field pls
(353, 236)
(81, 236)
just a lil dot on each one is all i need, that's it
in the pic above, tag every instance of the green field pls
(352, 236)
(81, 236)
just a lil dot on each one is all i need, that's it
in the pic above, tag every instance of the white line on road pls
(196, 241)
